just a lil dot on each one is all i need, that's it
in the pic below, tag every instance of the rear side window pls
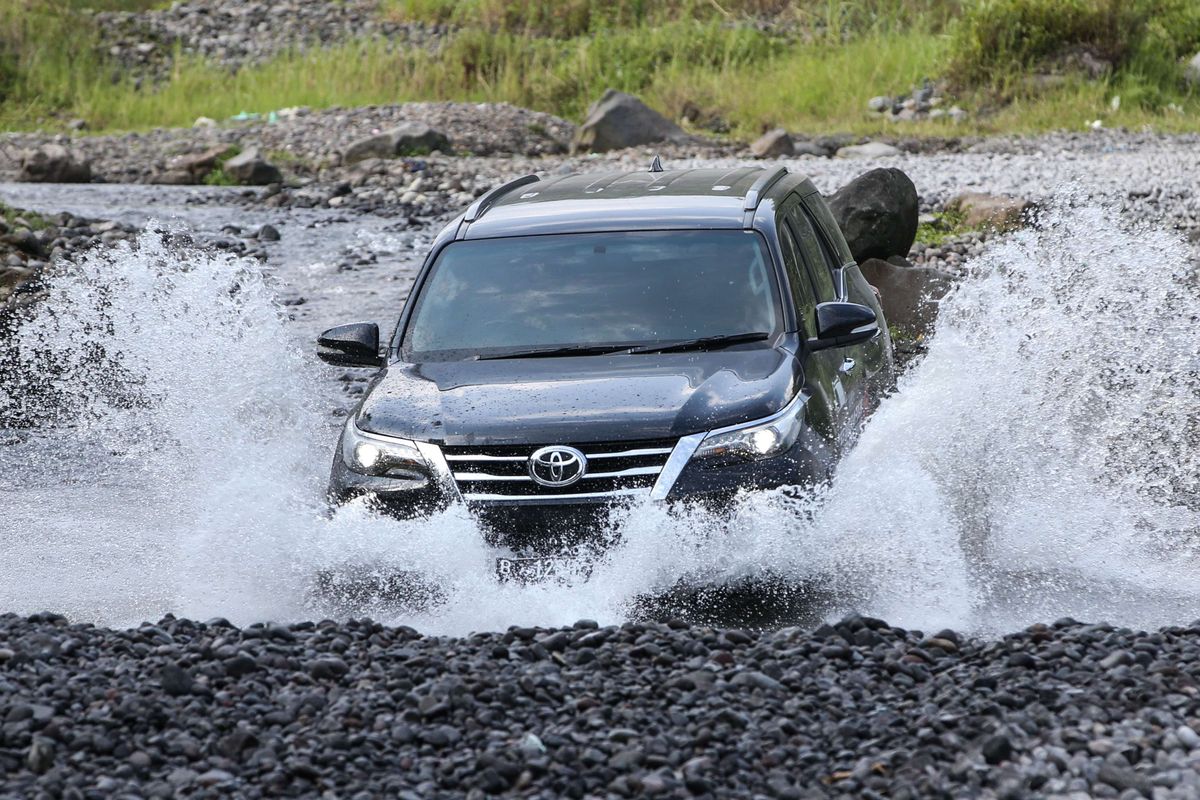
(814, 257)
(802, 290)
(817, 206)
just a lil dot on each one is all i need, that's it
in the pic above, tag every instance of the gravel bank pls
(235, 34)
(303, 142)
(360, 710)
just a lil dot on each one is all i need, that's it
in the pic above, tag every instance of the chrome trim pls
(680, 456)
(800, 399)
(486, 458)
(649, 451)
(483, 476)
(621, 473)
(624, 473)
(380, 436)
(433, 455)
(533, 499)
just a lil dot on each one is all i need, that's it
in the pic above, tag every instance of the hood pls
(579, 399)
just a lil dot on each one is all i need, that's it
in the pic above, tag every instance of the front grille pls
(500, 473)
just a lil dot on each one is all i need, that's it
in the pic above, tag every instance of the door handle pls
(848, 365)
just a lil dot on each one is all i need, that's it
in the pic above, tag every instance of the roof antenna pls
(656, 164)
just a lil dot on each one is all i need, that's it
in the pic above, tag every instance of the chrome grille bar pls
(621, 473)
(552, 498)
(482, 457)
(648, 451)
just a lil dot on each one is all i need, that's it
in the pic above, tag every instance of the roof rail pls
(764, 182)
(485, 201)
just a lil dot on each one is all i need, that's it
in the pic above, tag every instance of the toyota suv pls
(590, 339)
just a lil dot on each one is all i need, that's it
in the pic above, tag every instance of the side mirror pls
(841, 324)
(354, 345)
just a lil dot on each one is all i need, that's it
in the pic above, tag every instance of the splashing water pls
(1040, 461)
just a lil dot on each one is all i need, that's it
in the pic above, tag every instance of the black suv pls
(579, 340)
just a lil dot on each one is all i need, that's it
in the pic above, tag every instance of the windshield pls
(489, 296)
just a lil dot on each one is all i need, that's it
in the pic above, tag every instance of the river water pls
(1040, 461)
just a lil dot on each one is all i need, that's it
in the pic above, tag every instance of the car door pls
(826, 411)
(875, 354)
(844, 365)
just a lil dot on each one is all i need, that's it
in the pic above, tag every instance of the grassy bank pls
(812, 70)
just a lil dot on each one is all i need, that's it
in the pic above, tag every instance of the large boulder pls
(998, 212)
(192, 168)
(877, 212)
(618, 120)
(250, 169)
(411, 138)
(773, 144)
(909, 295)
(53, 163)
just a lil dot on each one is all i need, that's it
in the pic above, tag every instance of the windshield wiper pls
(571, 350)
(703, 343)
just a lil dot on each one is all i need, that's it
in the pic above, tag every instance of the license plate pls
(529, 570)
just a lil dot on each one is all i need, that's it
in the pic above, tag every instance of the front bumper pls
(571, 515)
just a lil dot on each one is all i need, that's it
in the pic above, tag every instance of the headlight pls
(381, 456)
(756, 440)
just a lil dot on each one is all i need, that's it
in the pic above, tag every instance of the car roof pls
(643, 200)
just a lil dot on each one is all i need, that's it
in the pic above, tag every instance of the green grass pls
(561, 76)
(560, 55)
(946, 225)
(10, 216)
(999, 41)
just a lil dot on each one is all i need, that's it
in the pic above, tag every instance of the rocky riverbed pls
(358, 709)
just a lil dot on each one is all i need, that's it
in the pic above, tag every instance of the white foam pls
(1040, 461)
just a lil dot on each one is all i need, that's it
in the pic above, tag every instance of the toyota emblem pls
(557, 466)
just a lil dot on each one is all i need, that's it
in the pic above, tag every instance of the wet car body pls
(499, 431)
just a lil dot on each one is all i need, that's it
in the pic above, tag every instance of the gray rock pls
(879, 104)
(1122, 779)
(251, 169)
(773, 144)
(757, 680)
(909, 295)
(195, 167)
(410, 138)
(324, 668)
(41, 754)
(997, 749)
(618, 120)
(53, 163)
(175, 680)
(1187, 737)
(868, 150)
(877, 212)
(980, 210)
(811, 148)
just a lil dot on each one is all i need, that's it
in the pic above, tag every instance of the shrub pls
(999, 40)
